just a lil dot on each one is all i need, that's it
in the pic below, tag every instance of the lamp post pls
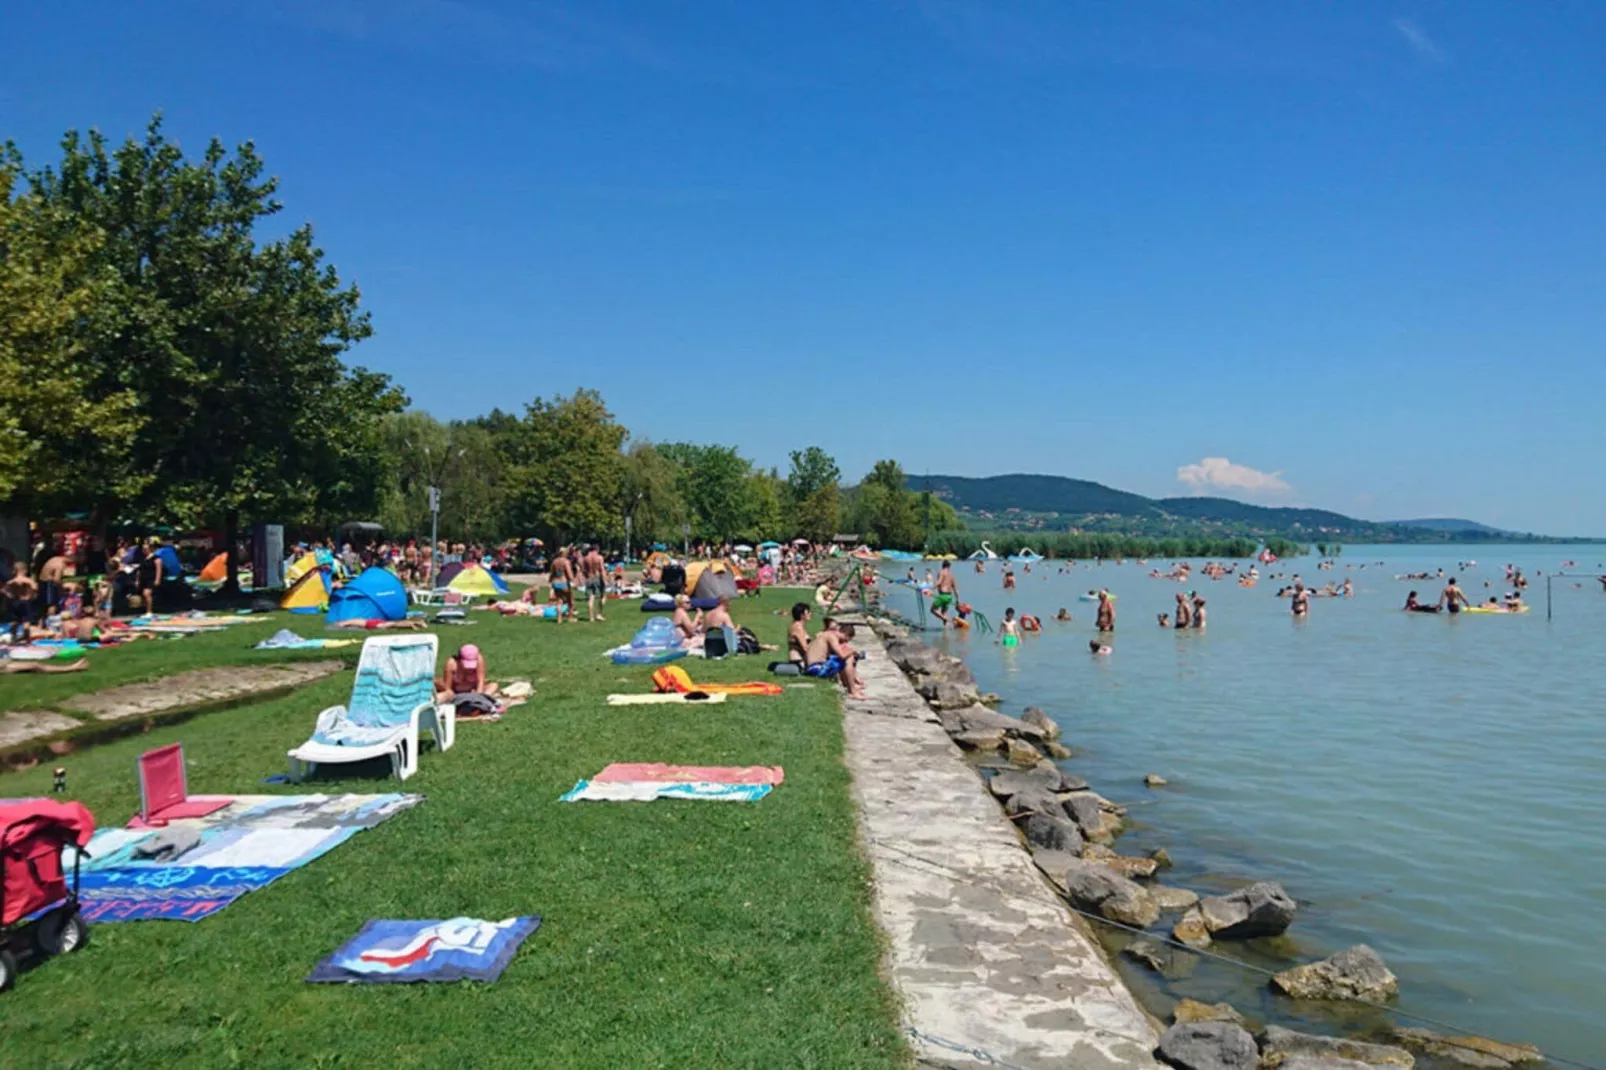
(630, 521)
(435, 477)
(685, 534)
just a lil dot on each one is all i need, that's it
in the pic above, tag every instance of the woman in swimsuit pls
(464, 675)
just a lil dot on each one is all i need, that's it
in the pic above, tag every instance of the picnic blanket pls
(672, 678)
(251, 843)
(285, 639)
(644, 782)
(403, 952)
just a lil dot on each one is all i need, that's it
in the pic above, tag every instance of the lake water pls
(1432, 786)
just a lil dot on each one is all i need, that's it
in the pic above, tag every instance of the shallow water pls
(1430, 785)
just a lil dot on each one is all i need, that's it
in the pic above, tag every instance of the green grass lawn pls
(674, 934)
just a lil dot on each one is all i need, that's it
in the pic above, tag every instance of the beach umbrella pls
(742, 548)
(769, 545)
(800, 542)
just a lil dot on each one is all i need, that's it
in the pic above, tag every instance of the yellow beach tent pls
(477, 579)
(309, 594)
(307, 562)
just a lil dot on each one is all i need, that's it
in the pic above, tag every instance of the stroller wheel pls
(61, 933)
(8, 969)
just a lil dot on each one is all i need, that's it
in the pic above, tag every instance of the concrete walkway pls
(990, 966)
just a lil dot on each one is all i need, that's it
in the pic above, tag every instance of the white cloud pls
(1420, 42)
(1218, 473)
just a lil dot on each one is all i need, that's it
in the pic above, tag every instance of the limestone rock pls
(1056, 750)
(1278, 1044)
(1191, 1010)
(1154, 780)
(1480, 1053)
(1044, 775)
(972, 718)
(1172, 900)
(1052, 833)
(1070, 782)
(1155, 956)
(1023, 753)
(956, 672)
(1318, 1062)
(1355, 973)
(981, 739)
(1100, 890)
(1262, 909)
(1084, 809)
(1034, 801)
(948, 696)
(1162, 857)
(1127, 867)
(1035, 715)
(1191, 929)
(1208, 1046)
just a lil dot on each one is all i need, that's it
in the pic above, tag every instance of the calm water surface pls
(1431, 786)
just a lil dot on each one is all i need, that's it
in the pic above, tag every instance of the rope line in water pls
(1170, 941)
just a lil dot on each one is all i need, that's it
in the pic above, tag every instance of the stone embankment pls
(984, 956)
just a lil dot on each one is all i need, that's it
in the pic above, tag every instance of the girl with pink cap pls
(465, 675)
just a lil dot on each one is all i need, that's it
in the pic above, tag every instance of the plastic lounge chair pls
(423, 596)
(392, 701)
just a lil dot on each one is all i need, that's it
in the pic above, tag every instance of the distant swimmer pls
(1096, 647)
(1064, 614)
(1008, 629)
(947, 593)
(1029, 623)
(1009, 579)
(1413, 606)
(1198, 612)
(1301, 601)
(1349, 588)
(1184, 613)
(1165, 620)
(1453, 598)
(1106, 618)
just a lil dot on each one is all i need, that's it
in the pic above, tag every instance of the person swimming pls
(1064, 614)
(1165, 620)
(1009, 629)
(1413, 606)
(1096, 647)
(1029, 623)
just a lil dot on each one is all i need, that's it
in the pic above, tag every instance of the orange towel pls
(674, 678)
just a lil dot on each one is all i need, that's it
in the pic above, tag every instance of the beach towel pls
(674, 678)
(404, 952)
(249, 844)
(664, 700)
(590, 791)
(644, 782)
(285, 639)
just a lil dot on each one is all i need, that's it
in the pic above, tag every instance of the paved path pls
(197, 687)
(982, 953)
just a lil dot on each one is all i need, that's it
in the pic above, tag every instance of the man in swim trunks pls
(595, 570)
(1009, 629)
(1106, 617)
(947, 594)
(562, 574)
(1184, 614)
(1300, 603)
(829, 655)
(1452, 598)
(20, 591)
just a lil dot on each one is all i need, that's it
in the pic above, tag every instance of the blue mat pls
(404, 952)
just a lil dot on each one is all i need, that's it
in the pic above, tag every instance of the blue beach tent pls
(376, 594)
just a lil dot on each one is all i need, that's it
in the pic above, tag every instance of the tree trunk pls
(231, 538)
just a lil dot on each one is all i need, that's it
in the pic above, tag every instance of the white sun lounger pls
(392, 702)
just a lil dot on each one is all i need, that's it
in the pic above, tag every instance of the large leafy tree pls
(66, 434)
(461, 458)
(650, 496)
(233, 347)
(883, 511)
(565, 466)
(812, 486)
(714, 482)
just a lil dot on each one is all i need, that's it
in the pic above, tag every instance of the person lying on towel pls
(830, 655)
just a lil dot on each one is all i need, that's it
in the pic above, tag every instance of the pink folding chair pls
(163, 790)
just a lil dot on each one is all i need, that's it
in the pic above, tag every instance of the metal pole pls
(627, 537)
(434, 533)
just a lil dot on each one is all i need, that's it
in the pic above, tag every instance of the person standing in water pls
(947, 594)
(1452, 597)
(1300, 604)
(1009, 629)
(1198, 612)
(1184, 614)
(1106, 617)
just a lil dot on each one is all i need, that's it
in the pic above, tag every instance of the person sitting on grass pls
(831, 656)
(464, 675)
(687, 627)
(719, 616)
(797, 635)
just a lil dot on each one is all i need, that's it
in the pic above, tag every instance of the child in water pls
(1009, 629)
(1096, 647)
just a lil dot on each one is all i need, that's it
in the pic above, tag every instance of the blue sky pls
(1346, 255)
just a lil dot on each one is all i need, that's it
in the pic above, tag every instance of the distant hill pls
(1020, 502)
(1456, 524)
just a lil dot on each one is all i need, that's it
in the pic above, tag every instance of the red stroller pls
(38, 910)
